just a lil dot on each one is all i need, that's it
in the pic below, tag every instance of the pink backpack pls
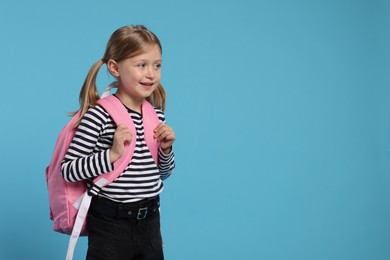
(69, 202)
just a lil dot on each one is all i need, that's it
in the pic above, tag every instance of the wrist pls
(167, 150)
(113, 156)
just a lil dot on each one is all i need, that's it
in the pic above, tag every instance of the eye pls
(157, 66)
(141, 65)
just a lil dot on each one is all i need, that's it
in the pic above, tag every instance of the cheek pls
(129, 81)
(158, 76)
(133, 77)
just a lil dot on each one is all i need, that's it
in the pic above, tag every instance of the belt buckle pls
(142, 212)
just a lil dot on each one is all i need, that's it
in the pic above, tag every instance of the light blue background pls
(281, 111)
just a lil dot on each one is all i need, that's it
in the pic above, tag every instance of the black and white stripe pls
(88, 157)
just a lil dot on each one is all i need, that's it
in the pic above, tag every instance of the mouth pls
(147, 84)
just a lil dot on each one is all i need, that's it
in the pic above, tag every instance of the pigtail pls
(158, 97)
(89, 94)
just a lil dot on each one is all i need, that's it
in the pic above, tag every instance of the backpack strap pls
(150, 121)
(119, 114)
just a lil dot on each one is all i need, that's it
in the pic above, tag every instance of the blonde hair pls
(126, 42)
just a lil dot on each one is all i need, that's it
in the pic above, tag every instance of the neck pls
(133, 104)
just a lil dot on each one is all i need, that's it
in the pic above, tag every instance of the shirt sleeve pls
(84, 160)
(166, 162)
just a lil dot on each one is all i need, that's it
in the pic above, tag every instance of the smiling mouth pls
(147, 84)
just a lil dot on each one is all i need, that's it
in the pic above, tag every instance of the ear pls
(113, 68)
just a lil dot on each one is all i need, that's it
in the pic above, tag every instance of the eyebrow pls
(143, 60)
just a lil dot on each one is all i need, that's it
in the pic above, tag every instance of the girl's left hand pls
(166, 136)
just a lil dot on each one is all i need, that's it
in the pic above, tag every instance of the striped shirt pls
(88, 157)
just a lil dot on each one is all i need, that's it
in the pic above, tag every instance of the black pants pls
(120, 238)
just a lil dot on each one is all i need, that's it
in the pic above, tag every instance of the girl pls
(123, 220)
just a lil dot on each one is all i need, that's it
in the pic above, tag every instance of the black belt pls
(137, 210)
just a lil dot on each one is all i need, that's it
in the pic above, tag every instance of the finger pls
(162, 133)
(121, 126)
(159, 127)
(123, 135)
(168, 137)
(164, 128)
(167, 142)
(121, 129)
(127, 137)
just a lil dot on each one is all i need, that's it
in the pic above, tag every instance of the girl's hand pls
(121, 137)
(166, 136)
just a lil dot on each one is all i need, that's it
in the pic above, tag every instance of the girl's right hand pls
(121, 137)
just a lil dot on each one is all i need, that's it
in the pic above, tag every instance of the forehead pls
(152, 52)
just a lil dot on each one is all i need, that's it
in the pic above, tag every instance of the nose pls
(149, 73)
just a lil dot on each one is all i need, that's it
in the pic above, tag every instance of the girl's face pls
(138, 77)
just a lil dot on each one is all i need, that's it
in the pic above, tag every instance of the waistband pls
(135, 210)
